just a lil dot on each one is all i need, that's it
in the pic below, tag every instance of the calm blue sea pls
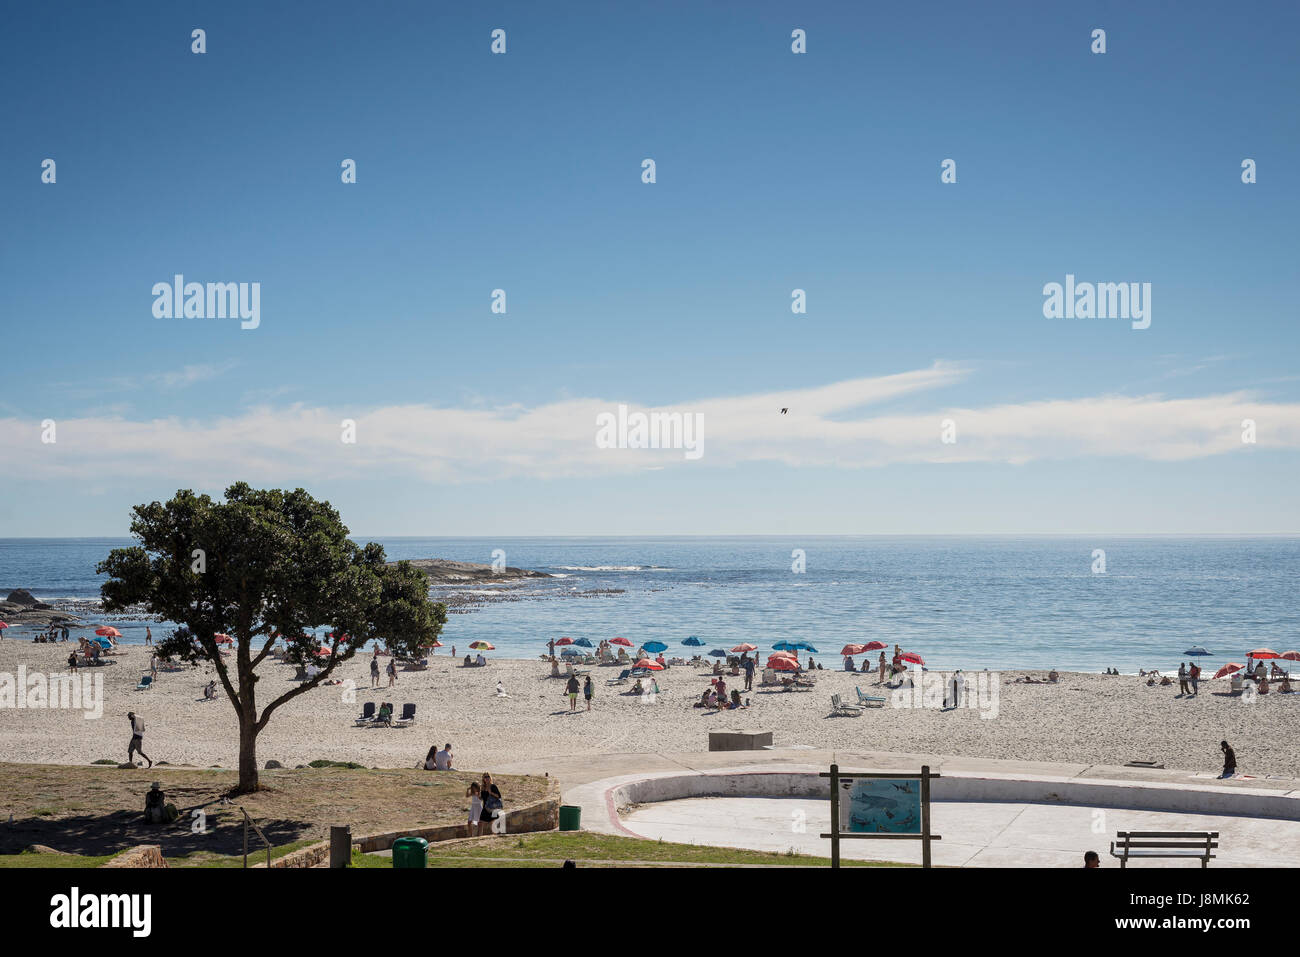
(961, 602)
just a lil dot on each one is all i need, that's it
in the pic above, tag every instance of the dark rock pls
(21, 596)
(272, 765)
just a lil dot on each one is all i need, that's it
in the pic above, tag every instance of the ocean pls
(962, 602)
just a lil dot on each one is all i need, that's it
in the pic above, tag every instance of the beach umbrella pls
(1263, 654)
(322, 652)
(849, 651)
(223, 639)
(805, 646)
(718, 653)
(583, 643)
(106, 630)
(649, 664)
(1227, 669)
(1196, 650)
(3, 625)
(569, 653)
(782, 663)
(621, 641)
(564, 641)
(483, 646)
(1291, 655)
(102, 642)
(785, 646)
(911, 656)
(743, 648)
(655, 646)
(693, 642)
(874, 646)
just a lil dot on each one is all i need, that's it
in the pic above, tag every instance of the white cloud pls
(826, 426)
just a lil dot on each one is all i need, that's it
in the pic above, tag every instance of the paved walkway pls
(990, 834)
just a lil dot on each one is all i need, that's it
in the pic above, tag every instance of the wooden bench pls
(1133, 844)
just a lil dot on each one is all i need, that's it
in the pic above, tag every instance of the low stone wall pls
(960, 786)
(541, 816)
(145, 855)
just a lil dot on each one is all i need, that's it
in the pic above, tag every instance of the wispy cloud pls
(826, 426)
(166, 380)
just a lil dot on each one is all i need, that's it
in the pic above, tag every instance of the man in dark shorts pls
(748, 664)
(1229, 760)
(137, 739)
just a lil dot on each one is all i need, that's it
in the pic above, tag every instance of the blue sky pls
(775, 171)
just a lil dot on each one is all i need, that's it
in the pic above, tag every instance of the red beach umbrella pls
(483, 646)
(108, 632)
(1263, 654)
(784, 654)
(781, 663)
(849, 651)
(3, 625)
(322, 652)
(743, 648)
(621, 641)
(1227, 669)
(911, 656)
(1291, 655)
(874, 646)
(564, 641)
(436, 644)
(650, 664)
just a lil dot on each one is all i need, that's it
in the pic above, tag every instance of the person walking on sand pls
(137, 739)
(153, 666)
(588, 689)
(1229, 760)
(148, 637)
(1182, 679)
(392, 672)
(571, 689)
(374, 669)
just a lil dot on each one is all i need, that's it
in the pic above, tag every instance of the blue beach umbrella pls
(718, 653)
(568, 653)
(804, 646)
(655, 646)
(583, 643)
(786, 646)
(693, 641)
(1197, 650)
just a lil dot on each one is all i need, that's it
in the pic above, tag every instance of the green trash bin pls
(570, 817)
(410, 852)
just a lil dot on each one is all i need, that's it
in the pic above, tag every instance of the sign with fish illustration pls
(880, 806)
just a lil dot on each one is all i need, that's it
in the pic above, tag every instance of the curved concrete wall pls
(1142, 796)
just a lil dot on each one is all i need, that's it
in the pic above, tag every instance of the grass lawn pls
(96, 811)
(589, 849)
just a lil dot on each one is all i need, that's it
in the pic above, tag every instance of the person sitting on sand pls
(1263, 684)
(711, 700)
(442, 760)
(735, 700)
(717, 667)
(1166, 681)
(637, 688)
(1053, 677)
(480, 661)
(468, 662)
(72, 661)
(210, 691)
(1285, 686)
(431, 759)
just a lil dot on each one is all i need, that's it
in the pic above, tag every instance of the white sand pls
(1084, 718)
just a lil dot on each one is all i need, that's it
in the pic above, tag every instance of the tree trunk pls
(247, 754)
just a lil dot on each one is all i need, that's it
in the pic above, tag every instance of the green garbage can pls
(410, 852)
(570, 817)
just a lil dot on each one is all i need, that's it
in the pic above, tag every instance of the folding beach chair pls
(408, 716)
(869, 701)
(622, 677)
(367, 713)
(845, 710)
(146, 682)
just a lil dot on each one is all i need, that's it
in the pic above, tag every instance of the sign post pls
(870, 805)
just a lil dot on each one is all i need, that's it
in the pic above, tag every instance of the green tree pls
(262, 564)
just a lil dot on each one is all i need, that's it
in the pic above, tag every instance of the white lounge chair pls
(845, 710)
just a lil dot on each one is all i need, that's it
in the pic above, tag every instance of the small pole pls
(245, 813)
(925, 815)
(835, 816)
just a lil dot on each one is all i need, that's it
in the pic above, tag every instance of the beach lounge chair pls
(845, 710)
(869, 701)
(408, 716)
(367, 713)
(622, 677)
(146, 682)
(1237, 684)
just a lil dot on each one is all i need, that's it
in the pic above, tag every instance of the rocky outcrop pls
(444, 572)
(21, 607)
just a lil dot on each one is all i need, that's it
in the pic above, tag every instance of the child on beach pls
(588, 689)
(374, 669)
(475, 808)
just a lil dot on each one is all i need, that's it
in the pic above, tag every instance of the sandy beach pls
(1083, 718)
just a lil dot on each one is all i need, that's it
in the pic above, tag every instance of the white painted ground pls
(974, 834)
